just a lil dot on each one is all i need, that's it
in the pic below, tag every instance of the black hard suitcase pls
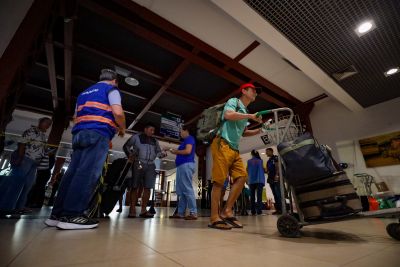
(330, 198)
(115, 184)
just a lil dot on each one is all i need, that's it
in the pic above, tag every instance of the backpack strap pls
(223, 119)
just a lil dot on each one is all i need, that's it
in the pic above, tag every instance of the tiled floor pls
(160, 241)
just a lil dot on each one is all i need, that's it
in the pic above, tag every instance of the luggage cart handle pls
(276, 110)
(263, 112)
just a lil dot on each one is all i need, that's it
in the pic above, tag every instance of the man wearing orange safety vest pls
(99, 116)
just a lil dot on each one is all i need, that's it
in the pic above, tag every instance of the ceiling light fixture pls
(131, 81)
(128, 76)
(365, 27)
(392, 71)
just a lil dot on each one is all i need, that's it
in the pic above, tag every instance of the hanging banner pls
(171, 125)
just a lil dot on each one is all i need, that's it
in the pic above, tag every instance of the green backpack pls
(210, 122)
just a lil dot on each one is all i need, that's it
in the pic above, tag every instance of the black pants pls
(36, 196)
(256, 207)
(276, 191)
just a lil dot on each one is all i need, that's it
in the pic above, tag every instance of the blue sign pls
(171, 125)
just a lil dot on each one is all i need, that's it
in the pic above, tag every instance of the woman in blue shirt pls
(256, 181)
(185, 168)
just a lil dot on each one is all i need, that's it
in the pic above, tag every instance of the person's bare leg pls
(215, 201)
(236, 189)
(133, 200)
(140, 191)
(221, 203)
(215, 209)
(145, 199)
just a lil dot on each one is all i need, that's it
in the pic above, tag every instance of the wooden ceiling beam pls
(167, 26)
(315, 99)
(235, 92)
(52, 70)
(159, 40)
(162, 42)
(187, 97)
(172, 47)
(113, 57)
(89, 80)
(106, 54)
(68, 48)
(35, 109)
(247, 51)
(178, 71)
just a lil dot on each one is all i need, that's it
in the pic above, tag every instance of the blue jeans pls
(184, 188)
(259, 188)
(79, 181)
(15, 188)
(276, 191)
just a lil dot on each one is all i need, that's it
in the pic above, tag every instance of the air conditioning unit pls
(344, 74)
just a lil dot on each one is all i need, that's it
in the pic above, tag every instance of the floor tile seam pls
(99, 261)
(171, 259)
(306, 257)
(195, 249)
(25, 247)
(110, 259)
(361, 257)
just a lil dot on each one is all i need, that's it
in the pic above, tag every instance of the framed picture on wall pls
(382, 150)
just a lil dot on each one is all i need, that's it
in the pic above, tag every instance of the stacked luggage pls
(321, 189)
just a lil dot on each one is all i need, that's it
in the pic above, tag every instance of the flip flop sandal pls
(220, 225)
(231, 221)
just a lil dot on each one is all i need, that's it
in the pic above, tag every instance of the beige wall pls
(336, 126)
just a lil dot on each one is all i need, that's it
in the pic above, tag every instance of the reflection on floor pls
(161, 241)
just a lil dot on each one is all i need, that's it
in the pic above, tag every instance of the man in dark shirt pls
(142, 149)
(273, 179)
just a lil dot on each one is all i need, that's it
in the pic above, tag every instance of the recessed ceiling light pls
(392, 71)
(365, 27)
(131, 81)
(262, 153)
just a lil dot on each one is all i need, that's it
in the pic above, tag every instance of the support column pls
(60, 124)
(202, 175)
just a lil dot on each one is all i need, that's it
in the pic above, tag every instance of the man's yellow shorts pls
(225, 161)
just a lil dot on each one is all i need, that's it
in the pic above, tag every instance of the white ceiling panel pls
(264, 61)
(204, 21)
(297, 84)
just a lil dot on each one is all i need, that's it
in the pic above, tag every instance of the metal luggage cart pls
(287, 128)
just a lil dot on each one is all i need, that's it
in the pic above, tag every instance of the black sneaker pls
(52, 221)
(77, 223)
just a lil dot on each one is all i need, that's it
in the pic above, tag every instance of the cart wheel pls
(393, 230)
(297, 216)
(288, 226)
